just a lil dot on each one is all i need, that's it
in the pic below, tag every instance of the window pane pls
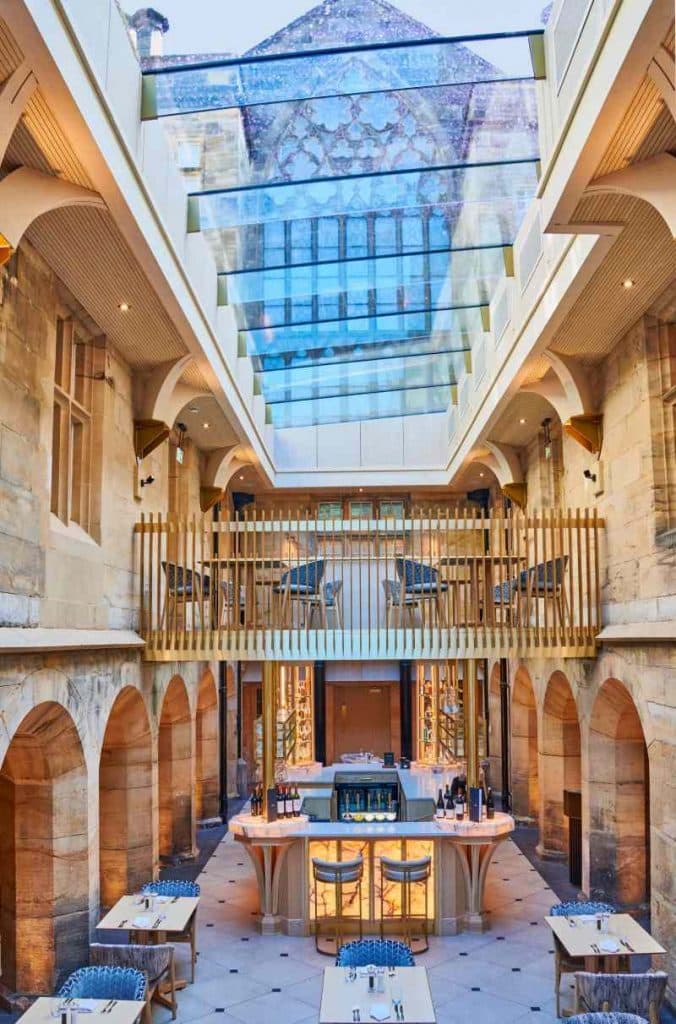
(57, 505)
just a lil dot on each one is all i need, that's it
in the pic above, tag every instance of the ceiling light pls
(206, 425)
(193, 408)
(123, 307)
(480, 474)
(522, 420)
(628, 283)
(361, 489)
(241, 476)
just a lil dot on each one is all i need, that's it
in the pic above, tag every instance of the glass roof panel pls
(336, 71)
(406, 274)
(374, 405)
(363, 194)
(330, 335)
(444, 343)
(302, 383)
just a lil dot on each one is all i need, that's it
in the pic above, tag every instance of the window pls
(72, 425)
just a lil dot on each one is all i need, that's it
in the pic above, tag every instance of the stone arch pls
(125, 798)
(494, 729)
(525, 779)
(175, 774)
(559, 763)
(44, 869)
(207, 762)
(619, 798)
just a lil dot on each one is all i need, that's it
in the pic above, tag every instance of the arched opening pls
(175, 774)
(206, 753)
(619, 799)
(494, 728)
(560, 764)
(44, 875)
(125, 799)
(525, 783)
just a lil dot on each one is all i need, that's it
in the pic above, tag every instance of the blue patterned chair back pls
(308, 576)
(180, 579)
(546, 575)
(392, 590)
(105, 983)
(172, 887)
(572, 907)
(415, 574)
(332, 589)
(381, 952)
(607, 1018)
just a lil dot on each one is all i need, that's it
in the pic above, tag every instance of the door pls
(362, 718)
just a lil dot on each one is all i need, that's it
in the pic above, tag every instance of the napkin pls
(142, 922)
(380, 1011)
(609, 946)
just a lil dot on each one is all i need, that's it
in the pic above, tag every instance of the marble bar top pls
(416, 782)
(247, 827)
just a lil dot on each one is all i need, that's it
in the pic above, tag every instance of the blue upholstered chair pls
(381, 952)
(607, 1018)
(104, 983)
(183, 587)
(641, 994)
(172, 887)
(564, 963)
(422, 582)
(156, 963)
(177, 887)
(301, 584)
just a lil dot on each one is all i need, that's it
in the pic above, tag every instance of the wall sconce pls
(547, 437)
(147, 481)
(588, 475)
(182, 431)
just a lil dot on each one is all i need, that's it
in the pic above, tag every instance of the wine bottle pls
(449, 803)
(440, 805)
(296, 803)
(280, 802)
(254, 803)
(490, 804)
(288, 802)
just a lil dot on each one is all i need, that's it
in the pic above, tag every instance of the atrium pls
(338, 511)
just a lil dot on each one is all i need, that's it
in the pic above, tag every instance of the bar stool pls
(406, 873)
(338, 874)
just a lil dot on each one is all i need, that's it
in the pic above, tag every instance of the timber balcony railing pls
(436, 584)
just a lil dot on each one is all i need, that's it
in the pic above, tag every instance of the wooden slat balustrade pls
(287, 585)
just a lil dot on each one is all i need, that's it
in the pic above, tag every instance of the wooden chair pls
(302, 585)
(155, 962)
(183, 586)
(329, 600)
(642, 994)
(540, 582)
(393, 598)
(422, 582)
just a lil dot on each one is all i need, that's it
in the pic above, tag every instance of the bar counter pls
(282, 851)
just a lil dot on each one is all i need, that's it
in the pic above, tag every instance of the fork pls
(112, 1005)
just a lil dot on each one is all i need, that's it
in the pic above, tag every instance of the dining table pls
(166, 915)
(406, 997)
(580, 936)
(47, 1009)
(248, 572)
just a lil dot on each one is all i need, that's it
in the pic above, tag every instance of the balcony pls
(436, 584)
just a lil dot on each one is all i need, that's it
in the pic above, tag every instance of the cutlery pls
(571, 922)
(174, 899)
(123, 922)
(112, 1005)
(595, 948)
(105, 1008)
(401, 1009)
(627, 946)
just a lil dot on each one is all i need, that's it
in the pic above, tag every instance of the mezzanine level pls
(438, 583)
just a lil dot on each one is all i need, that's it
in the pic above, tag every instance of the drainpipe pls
(223, 728)
(504, 734)
(406, 709)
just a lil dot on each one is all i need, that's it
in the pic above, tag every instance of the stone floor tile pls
(277, 1007)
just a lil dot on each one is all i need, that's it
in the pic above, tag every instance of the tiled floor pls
(502, 976)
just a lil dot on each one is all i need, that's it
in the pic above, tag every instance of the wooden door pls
(361, 716)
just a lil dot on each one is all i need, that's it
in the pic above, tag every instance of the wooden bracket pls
(210, 496)
(148, 435)
(517, 493)
(587, 431)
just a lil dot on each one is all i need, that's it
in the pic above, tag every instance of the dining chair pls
(544, 581)
(606, 1018)
(178, 887)
(422, 582)
(231, 608)
(642, 994)
(380, 952)
(301, 585)
(564, 963)
(330, 600)
(155, 962)
(104, 983)
(183, 586)
(393, 599)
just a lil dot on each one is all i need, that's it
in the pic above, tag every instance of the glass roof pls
(360, 200)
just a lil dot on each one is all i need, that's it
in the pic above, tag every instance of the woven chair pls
(156, 963)
(380, 952)
(564, 963)
(183, 587)
(104, 983)
(607, 1018)
(177, 887)
(640, 994)
(392, 590)
(301, 584)
(422, 582)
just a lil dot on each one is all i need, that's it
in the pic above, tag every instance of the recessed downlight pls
(522, 420)
(628, 283)
(206, 425)
(123, 307)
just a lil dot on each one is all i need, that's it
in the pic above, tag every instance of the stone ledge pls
(13, 640)
(638, 632)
